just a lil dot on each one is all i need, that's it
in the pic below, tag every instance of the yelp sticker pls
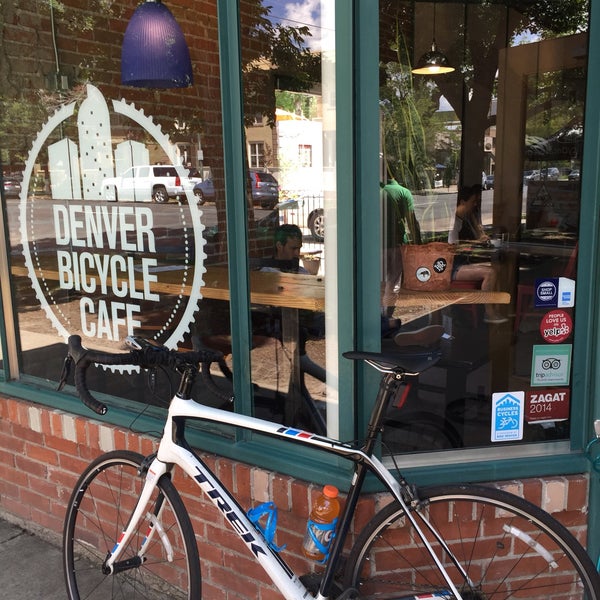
(556, 326)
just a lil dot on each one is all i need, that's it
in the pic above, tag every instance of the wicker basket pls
(427, 267)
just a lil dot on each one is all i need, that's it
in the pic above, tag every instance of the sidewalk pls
(31, 567)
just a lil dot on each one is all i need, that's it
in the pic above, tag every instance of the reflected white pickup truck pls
(145, 183)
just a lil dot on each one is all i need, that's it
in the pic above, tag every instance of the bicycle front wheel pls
(98, 511)
(493, 545)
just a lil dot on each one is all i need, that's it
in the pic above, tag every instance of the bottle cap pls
(330, 491)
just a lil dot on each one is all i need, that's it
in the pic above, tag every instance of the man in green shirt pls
(400, 226)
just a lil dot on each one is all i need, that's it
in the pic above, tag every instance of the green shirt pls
(401, 226)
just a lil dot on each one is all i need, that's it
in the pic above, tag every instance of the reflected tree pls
(472, 35)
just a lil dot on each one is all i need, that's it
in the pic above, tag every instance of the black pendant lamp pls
(433, 62)
(154, 52)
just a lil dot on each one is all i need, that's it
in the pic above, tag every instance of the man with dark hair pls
(286, 258)
(286, 251)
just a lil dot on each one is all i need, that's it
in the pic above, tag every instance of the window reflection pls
(283, 103)
(508, 123)
(107, 235)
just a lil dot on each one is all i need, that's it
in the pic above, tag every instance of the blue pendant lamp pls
(154, 52)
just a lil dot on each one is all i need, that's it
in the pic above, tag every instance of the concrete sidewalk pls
(31, 567)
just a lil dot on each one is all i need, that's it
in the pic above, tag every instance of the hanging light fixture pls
(433, 62)
(154, 52)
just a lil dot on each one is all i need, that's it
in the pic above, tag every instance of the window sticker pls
(551, 365)
(554, 292)
(556, 326)
(548, 405)
(507, 416)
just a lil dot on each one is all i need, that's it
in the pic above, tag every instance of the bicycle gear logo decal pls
(104, 269)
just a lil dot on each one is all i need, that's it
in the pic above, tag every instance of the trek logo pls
(230, 515)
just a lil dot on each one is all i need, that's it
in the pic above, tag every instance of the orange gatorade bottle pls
(321, 524)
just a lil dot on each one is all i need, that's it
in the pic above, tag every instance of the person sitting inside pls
(467, 228)
(287, 241)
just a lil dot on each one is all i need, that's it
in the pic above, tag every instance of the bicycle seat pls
(416, 362)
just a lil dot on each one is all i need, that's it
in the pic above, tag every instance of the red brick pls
(577, 498)
(41, 454)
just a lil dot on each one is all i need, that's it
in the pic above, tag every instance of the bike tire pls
(503, 542)
(99, 509)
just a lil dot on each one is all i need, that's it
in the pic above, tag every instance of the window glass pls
(122, 206)
(285, 84)
(486, 156)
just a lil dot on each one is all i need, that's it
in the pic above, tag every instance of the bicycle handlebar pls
(146, 357)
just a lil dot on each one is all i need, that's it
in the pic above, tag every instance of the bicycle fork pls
(112, 565)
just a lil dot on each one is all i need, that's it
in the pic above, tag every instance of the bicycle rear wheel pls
(98, 511)
(508, 547)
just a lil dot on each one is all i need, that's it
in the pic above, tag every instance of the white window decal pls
(109, 256)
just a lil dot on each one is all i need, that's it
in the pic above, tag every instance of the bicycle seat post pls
(388, 386)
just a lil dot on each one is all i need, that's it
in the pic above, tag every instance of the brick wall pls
(43, 451)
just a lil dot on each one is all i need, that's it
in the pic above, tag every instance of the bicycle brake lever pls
(66, 370)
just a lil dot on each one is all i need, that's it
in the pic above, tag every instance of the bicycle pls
(127, 532)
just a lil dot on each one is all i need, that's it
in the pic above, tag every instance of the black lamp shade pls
(433, 63)
(154, 52)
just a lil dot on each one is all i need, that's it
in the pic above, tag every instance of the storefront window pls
(498, 142)
(286, 90)
(117, 208)
(122, 197)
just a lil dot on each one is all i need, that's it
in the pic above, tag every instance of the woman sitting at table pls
(467, 228)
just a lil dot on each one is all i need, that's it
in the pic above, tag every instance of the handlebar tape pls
(145, 358)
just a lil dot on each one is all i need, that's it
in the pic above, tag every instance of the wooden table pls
(411, 305)
(293, 292)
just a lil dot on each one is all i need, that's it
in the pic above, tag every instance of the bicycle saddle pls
(416, 361)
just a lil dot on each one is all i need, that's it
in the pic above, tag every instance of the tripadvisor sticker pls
(104, 269)
(556, 326)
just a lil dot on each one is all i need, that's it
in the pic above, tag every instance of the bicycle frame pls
(174, 450)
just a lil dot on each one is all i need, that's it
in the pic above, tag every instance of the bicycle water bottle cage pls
(269, 510)
(317, 529)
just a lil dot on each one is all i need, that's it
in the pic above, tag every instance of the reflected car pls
(530, 176)
(264, 187)
(306, 212)
(488, 184)
(204, 191)
(548, 174)
(12, 187)
(574, 175)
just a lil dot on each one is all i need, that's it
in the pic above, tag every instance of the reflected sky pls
(298, 14)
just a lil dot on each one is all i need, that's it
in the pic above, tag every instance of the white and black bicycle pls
(127, 533)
